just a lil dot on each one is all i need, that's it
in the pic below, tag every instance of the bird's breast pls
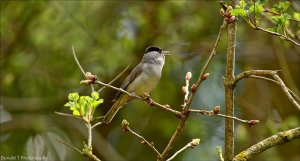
(147, 80)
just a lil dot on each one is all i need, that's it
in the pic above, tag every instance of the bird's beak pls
(166, 53)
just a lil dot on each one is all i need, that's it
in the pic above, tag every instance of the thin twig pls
(77, 62)
(286, 91)
(204, 68)
(91, 155)
(213, 113)
(113, 80)
(144, 141)
(271, 80)
(179, 151)
(69, 145)
(278, 34)
(208, 113)
(233, 117)
(253, 25)
(89, 127)
(66, 114)
(96, 124)
(274, 74)
(80, 67)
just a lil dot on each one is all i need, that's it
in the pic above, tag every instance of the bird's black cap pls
(153, 48)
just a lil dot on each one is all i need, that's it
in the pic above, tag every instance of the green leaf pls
(243, 4)
(281, 6)
(76, 113)
(95, 95)
(258, 8)
(96, 103)
(73, 96)
(83, 105)
(281, 22)
(297, 16)
(238, 12)
(67, 104)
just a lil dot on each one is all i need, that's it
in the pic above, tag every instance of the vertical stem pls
(229, 87)
(89, 126)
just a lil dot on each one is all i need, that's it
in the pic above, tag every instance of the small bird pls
(142, 79)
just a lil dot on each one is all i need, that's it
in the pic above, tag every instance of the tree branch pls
(165, 107)
(277, 34)
(191, 144)
(125, 126)
(113, 80)
(89, 127)
(274, 81)
(69, 145)
(254, 25)
(229, 87)
(80, 67)
(66, 114)
(279, 138)
(291, 96)
(286, 91)
(249, 73)
(215, 112)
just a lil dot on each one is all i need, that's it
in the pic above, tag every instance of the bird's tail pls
(118, 104)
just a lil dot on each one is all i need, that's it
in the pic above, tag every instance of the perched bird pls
(143, 78)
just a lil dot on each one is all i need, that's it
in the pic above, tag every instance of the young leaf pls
(76, 113)
(238, 12)
(258, 8)
(73, 96)
(95, 95)
(281, 6)
(243, 4)
(239, 9)
(96, 103)
(297, 16)
(83, 106)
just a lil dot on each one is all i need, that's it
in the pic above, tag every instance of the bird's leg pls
(148, 98)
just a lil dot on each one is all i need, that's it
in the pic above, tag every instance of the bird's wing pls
(130, 78)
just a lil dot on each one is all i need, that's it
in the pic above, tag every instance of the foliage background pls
(38, 72)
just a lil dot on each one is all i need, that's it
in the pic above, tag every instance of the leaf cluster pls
(279, 15)
(83, 106)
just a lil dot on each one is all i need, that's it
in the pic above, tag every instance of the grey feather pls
(143, 78)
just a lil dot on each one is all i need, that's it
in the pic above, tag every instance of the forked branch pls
(273, 73)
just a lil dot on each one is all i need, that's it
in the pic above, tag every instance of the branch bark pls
(125, 126)
(279, 138)
(229, 87)
(273, 73)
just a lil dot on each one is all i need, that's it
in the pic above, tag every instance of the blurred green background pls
(38, 71)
